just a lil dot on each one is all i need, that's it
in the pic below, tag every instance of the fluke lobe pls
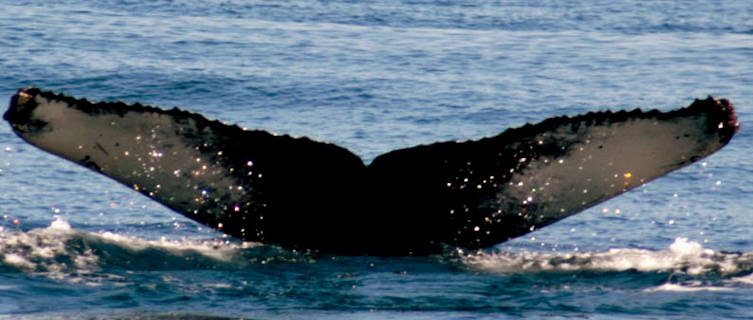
(304, 194)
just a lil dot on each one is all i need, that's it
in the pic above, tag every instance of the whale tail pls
(304, 194)
(479, 193)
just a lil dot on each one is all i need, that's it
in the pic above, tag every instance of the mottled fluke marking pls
(305, 194)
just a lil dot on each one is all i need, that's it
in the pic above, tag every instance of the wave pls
(64, 253)
(686, 266)
(682, 256)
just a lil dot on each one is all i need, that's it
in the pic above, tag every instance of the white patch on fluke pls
(606, 160)
(140, 149)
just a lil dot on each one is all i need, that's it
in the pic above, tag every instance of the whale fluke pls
(304, 194)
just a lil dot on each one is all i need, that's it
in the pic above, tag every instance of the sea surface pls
(373, 76)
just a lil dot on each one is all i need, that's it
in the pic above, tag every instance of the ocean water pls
(374, 76)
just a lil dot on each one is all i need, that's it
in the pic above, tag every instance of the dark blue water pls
(372, 77)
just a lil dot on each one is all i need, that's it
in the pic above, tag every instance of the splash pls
(682, 256)
(694, 286)
(44, 250)
(59, 224)
(61, 252)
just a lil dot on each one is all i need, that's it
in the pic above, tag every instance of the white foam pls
(59, 224)
(216, 250)
(62, 253)
(44, 250)
(745, 280)
(683, 256)
(673, 287)
(683, 247)
(17, 261)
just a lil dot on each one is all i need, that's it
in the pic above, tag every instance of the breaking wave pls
(682, 256)
(686, 266)
(63, 253)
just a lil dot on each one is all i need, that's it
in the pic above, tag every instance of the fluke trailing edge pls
(305, 194)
